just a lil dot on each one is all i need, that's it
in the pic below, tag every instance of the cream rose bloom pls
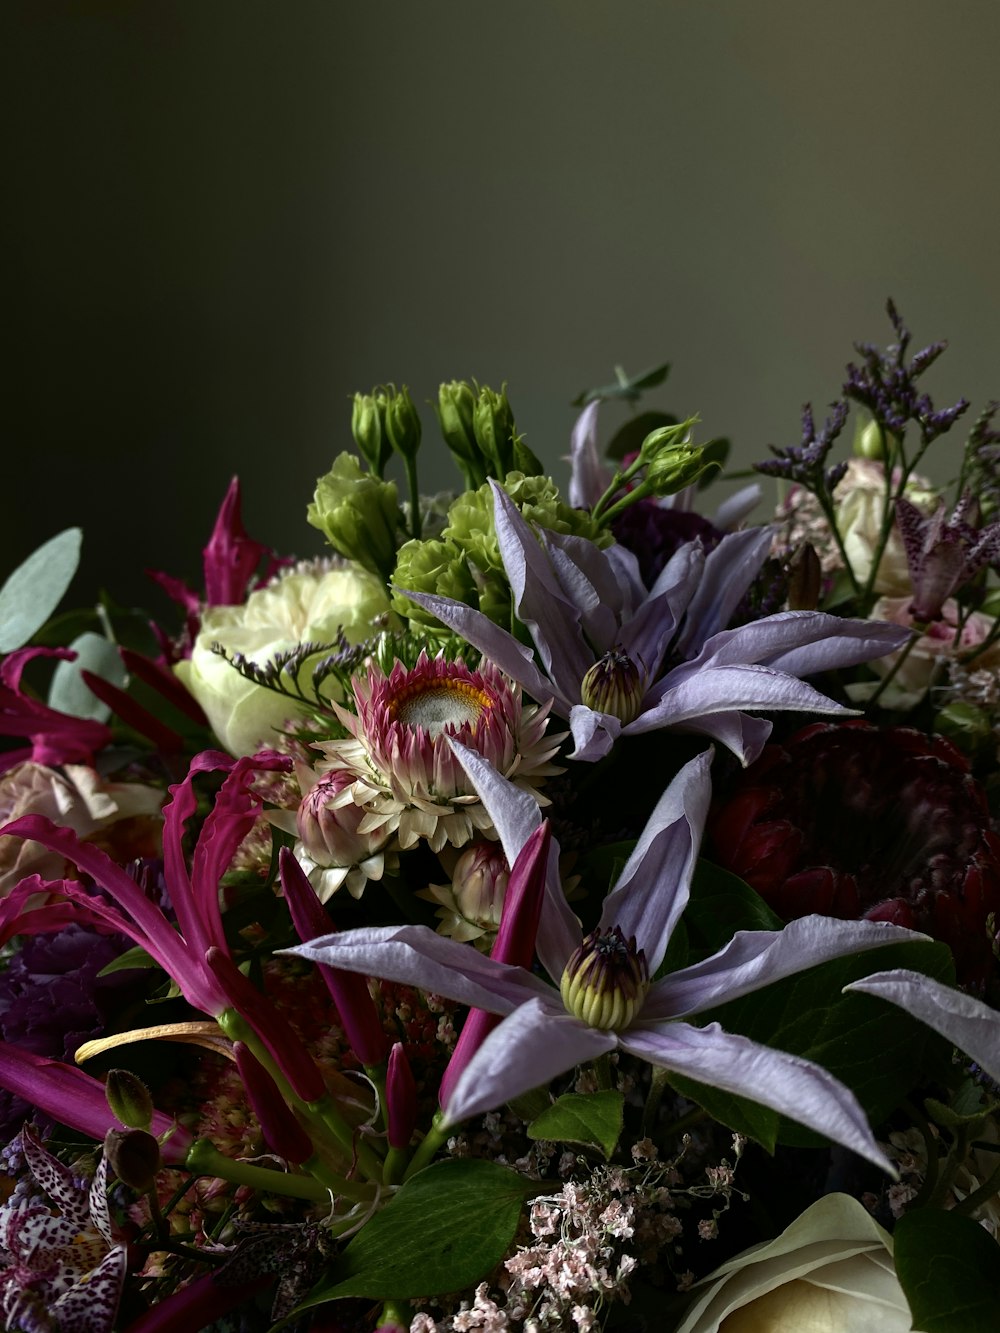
(309, 604)
(831, 1271)
(76, 798)
(925, 663)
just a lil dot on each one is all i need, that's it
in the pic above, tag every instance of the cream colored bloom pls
(75, 798)
(309, 604)
(925, 663)
(831, 1271)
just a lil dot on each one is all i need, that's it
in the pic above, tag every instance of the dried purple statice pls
(804, 463)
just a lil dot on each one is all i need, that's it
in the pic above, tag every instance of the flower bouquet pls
(543, 909)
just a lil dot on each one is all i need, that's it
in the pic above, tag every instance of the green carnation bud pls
(358, 515)
(368, 429)
(134, 1157)
(672, 461)
(455, 408)
(431, 566)
(402, 423)
(493, 424)
(495, 601)
(129, 1099)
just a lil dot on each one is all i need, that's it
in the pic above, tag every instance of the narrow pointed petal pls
(654, 887)
(76, 1100)
(743, 735)
(799, 643)
(594, 733)
(589, 478)
(282, 1132)
(418, 956)
(966, 1022)
(515, 815)
(514, 944)
(230, 557)
(729, 570)
(513, 658)
(133, 714)
(725, 689)
(535, 1044)
(794, 1087)
(736, 508)
(349, 992)
(162, 680)
(755, 958)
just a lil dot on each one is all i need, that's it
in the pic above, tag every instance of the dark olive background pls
(223, 216)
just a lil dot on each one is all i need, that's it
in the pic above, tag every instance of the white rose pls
(307, 604)
(859, 500)
(830, 1271)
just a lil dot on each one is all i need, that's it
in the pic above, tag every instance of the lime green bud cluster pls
(606, 981)
(478, 427)
(358, 514)
(382, 421)
(614, 685)
(435, 566)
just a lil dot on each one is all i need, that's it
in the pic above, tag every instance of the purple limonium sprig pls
(197, 955)
(887, 385)
(805, 463)
(617, 659)
(604, 999)
(943, 554)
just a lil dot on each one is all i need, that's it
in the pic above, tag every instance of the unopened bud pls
(805, 579)
(606, 981)
(129, 1099)
(134, 1157)
(367, 418)
(869, 442)
(493, 423)
(613, 685)
(402, 422)
(455, 407)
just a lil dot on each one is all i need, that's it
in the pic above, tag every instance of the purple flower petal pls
(794, 1087)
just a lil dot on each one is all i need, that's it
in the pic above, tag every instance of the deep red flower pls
(854, 821)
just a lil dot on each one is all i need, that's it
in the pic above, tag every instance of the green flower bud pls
(129, 1099)
(869, 442)
(805, 579)
(614, 685)
(368, 429)
(402, 423)
(455, 407)
(525, 460)
(672, 461)
(606, 981)
(495, 600)
(493, 424)
(432, 566)
(358, 514)
(134, 1157)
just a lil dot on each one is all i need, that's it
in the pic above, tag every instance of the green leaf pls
(36, 587)
(715, 451)
(132, 958)
(444, 1231)
(629, 437)
(807, 1015)
(949, 1269)
(593, 1119)
(70, 693)
(721, 904)
(627, 387)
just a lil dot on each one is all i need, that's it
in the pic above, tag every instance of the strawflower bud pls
(134, 1157)
(129, 1099)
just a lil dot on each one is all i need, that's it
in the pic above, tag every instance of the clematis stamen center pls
(614, 685)
(436, 704)
(605, 982)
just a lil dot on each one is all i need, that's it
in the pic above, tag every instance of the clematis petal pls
(800, 643)
(966, 1022)
(594, 733)
(653, 888)
(418, 956)
(755, 958)
(794, 1087)
(729, 570)
(589, 478)
(532, 1046)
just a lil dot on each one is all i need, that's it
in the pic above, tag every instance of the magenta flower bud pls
(400, 1098)
(349, 991)
(514, 945)
(282, 1131)
(274, 1030)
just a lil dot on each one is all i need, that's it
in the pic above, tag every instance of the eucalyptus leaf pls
(70, 693)
(444, 1231)
(627, 387)
(949, 1269)
(36, 587)
(593, 1119)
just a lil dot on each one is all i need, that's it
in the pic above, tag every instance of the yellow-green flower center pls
(613, 685)
(434, 704)
(606, 981)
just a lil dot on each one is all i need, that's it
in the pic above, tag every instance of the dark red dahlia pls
(850, 820)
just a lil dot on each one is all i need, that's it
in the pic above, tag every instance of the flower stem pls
(434, 1139)
(206, 1160)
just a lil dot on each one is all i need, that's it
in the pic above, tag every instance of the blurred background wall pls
(223, 216)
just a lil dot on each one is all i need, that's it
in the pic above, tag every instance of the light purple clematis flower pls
(605, 1000)
(618, 659)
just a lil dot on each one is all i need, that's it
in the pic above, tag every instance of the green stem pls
(396, 1162)
(681, 1126)
(206, 1160)
(903, 654)
(650, 1112)
(604, 1073)
(436, 1137)
(416, 524)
